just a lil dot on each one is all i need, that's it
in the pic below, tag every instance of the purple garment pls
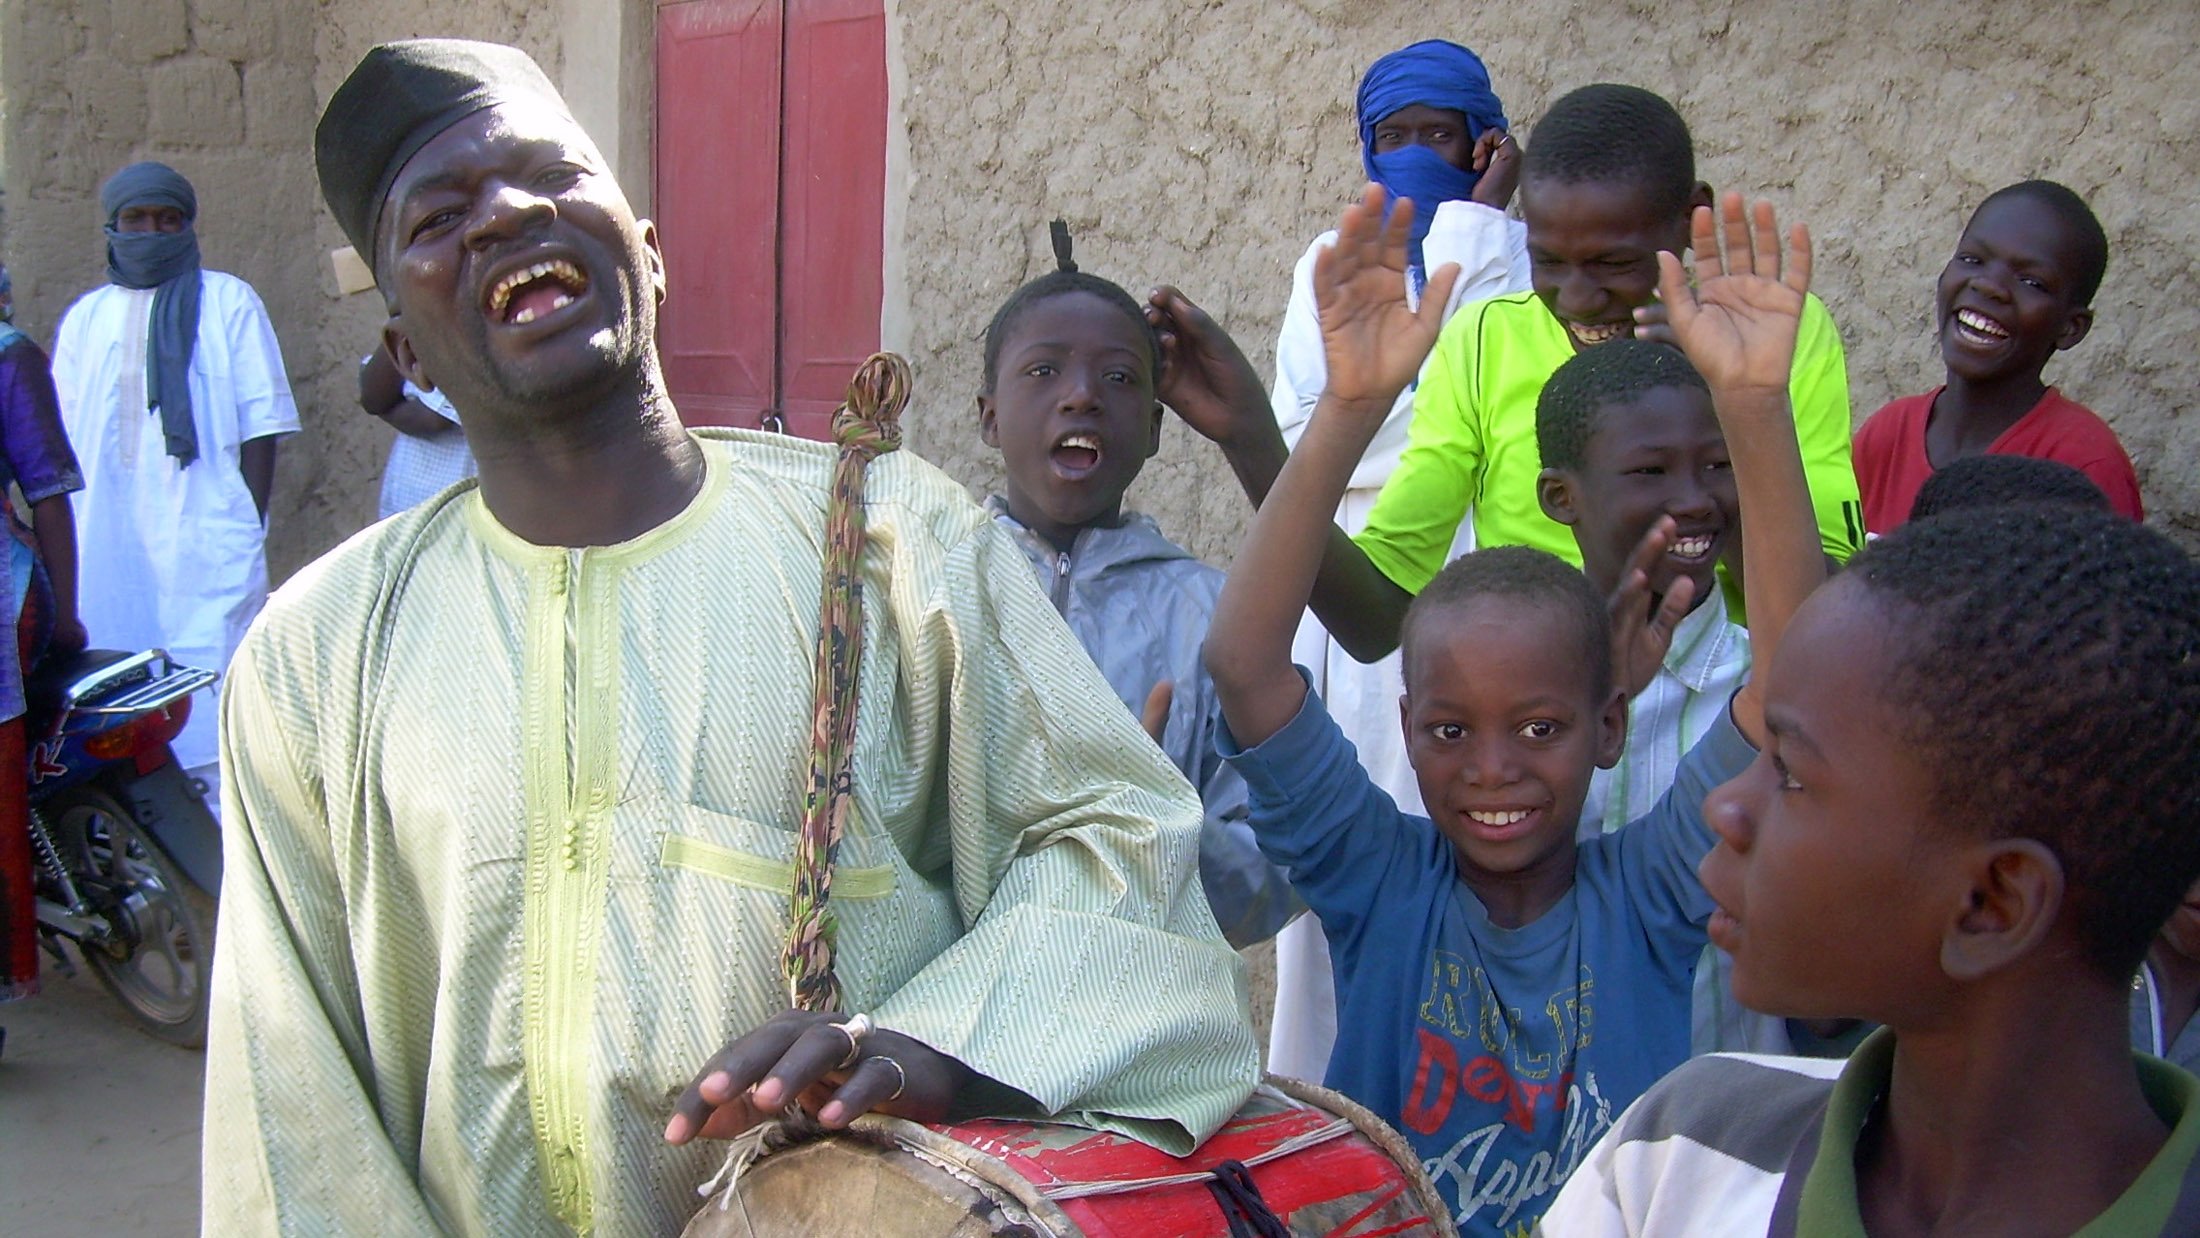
(36, 456)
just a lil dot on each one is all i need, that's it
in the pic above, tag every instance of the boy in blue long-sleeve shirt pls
(1072, 371)
(1504, 990)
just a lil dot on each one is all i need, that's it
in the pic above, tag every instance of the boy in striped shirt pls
(1972, 813)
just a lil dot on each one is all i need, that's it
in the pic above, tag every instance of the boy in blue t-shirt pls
(1504, 990)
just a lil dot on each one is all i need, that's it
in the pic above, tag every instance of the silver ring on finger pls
(901, 1077)
(855, 1029)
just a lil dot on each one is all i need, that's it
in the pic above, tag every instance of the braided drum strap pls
(867, 425)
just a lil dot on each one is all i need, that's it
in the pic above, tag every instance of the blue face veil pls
(1438, 74)
(169, 263)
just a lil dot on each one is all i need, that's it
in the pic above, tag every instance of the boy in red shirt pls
(2018, 290)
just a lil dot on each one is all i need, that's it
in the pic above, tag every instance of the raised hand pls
(1642, 626)
(1205, 377)
(802, 1054)
(1373, 340)
(1738, 323)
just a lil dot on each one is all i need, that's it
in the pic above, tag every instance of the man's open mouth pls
(526, 294)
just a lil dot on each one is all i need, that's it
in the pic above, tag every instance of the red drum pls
(1296, 1154)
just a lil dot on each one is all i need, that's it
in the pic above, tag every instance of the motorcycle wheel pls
(163, 979)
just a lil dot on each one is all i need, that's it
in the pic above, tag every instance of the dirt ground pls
(100, 1123)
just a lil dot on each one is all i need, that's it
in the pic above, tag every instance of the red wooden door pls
(771, 186)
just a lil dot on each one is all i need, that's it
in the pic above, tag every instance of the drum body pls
(1315, 1161)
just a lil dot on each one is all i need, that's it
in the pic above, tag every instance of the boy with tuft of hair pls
(2018, 290)
(1072, 371)
(1971, 816)
(1475, 952)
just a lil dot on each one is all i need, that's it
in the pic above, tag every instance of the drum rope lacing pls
(1242, 1206)
(1332, 1129)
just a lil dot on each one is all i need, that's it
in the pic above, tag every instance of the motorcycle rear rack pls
(142, 687)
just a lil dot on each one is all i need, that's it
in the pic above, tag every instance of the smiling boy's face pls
(1834, 882)
(1504, 730)
(2005, 301)
(1660, 454)
(1593, 252)
(1072, 412)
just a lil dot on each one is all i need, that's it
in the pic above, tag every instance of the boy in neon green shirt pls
(1472, 439)
(1609, 180)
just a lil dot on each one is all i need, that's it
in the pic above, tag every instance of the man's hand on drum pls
(838, 1075)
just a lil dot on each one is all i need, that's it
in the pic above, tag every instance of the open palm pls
(1738, 322)
(1373, 340)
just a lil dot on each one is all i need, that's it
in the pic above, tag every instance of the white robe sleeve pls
(68, 375)
(1490, 247)
(1301, 369)
(1091, 977)
(260, 387)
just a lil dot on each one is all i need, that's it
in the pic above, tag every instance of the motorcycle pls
(128, 856)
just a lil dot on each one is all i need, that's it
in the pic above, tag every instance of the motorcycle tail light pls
(113, 745)
(144, 738)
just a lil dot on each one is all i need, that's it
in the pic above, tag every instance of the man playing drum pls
(513, 779)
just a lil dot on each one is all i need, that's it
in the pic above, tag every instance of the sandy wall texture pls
(222, 91)
(226, 91)
(1207, 143)
(1202, 143)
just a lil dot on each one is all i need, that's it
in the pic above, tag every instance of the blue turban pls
(1434, 73)
(168, 261)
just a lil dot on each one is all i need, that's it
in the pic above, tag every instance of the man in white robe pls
(171, 525)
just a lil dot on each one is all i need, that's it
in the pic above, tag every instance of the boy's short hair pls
(1610, 132)
(1520, 573)
(1995, 480)
(1064, 279)
(1573, 401)
(2048, 671)
(2087, 238)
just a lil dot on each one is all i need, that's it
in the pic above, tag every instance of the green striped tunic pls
(508, 841)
